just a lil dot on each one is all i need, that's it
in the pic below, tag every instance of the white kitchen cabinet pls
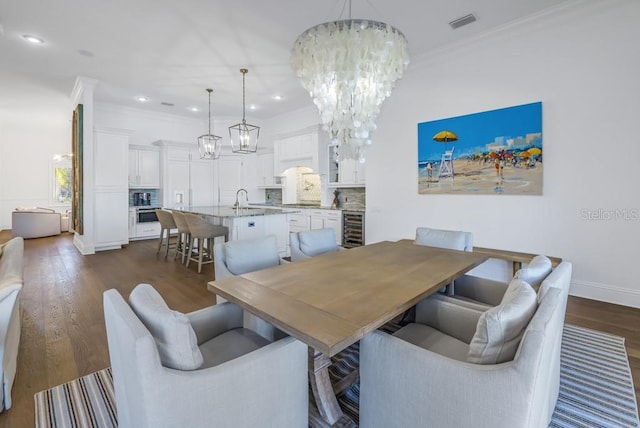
(304, 148)
(299, 221)
(251, 227)
(144, 167)
(132, 223)
(321, 219)
(186, 179)
(111, 193)
(230, 170)
(148, 230)
(266, 174)
(345, 173)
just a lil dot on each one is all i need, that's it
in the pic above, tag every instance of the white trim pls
(605, 293)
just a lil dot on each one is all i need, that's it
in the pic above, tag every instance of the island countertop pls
(226, 211)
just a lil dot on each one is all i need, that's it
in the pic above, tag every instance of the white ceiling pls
(170, 50)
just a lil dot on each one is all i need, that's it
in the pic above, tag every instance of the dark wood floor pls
(63, 334)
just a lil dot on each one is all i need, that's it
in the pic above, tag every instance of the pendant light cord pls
(209, 91)
(244, 72)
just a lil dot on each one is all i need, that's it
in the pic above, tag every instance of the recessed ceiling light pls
(33, 39)
(252, 107)
(278, 97)
(142, 99)
(194, 109)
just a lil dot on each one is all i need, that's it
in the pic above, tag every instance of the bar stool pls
(168, 224)
(184, 235)
(204, 233)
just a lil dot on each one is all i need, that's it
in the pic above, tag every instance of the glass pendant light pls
(209, 144)
(244, 137)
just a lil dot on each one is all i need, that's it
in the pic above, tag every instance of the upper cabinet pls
(144, 167)
(303, 148)
(266, 174)
(345, 173)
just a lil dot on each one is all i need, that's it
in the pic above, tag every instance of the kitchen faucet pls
(246, 197)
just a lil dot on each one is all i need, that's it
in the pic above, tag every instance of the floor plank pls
(63, 335)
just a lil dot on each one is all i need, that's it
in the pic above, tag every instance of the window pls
(62, 182)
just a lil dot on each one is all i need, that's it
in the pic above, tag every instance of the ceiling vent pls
(461, 22)
(164, 103)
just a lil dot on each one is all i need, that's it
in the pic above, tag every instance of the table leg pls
(321, 386)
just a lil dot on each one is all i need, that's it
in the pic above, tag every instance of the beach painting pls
(492, 152)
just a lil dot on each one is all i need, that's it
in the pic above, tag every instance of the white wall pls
(32, 130)
(583, 63)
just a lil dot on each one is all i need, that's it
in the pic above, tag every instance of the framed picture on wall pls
(492, 152)
(76, 144)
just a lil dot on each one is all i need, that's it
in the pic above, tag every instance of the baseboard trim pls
(605, 293)
(82, 247)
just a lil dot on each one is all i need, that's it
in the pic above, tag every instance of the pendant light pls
(349, 67)
(244, 137)
(209, 144)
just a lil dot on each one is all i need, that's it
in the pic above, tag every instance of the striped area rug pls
(596, 389)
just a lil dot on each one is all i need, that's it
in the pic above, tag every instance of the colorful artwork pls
(493, 152)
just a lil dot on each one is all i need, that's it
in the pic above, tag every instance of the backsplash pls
(273, 196)
(152, 192)
(353, 198)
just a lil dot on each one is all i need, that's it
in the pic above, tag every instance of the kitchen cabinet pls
(323, 219)
(304, 148)
(111, 193)
(186, 179)
(148, 230)
(345, 173)
(266, 174)
(144, 167)
(311, 219)
(132, 223)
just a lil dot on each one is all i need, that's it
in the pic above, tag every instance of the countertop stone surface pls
(231, 212)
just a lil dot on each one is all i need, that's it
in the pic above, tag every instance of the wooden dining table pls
(331, 301)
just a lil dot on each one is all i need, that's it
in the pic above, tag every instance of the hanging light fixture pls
(209, 144)
(349, 67)
(244, 137)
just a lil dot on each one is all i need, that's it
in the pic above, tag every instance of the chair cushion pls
(434, 340)
(536, 271)
(500, 329)
(230, 345)
(448, 239)
(176, 341)
(249, 255)
(316, 242)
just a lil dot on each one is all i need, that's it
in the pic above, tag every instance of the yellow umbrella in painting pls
(534, 151)
(445, 137)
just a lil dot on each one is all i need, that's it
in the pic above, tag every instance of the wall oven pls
(146, 215)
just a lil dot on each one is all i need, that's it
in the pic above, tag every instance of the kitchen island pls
(248, 222)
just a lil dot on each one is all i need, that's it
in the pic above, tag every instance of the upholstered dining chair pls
(184, 236)
(200, 369)
(203, 235)
(243, 256)
(311, 243)
(458, 367)
(167, 226)
(449, 239)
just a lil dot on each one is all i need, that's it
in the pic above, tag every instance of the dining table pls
(331, 301)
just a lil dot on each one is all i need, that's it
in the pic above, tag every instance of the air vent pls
(164, 103)
(461, 22)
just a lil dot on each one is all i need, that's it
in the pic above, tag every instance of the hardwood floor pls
(63, 335)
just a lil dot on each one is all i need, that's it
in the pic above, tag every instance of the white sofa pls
(404, 384)
(35, 222)
(11, 280)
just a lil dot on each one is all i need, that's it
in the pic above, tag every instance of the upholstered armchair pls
(311, 243)
(11, 282)
(485, 293)
(449, 239)
(35, 222)
(200, 369)
(245, 255)
(457, 367)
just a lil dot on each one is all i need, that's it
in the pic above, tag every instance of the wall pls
(582, 62)
(31, 132)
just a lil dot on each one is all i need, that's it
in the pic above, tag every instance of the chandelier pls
(244, 137)
(349, 67)
(209, 144)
